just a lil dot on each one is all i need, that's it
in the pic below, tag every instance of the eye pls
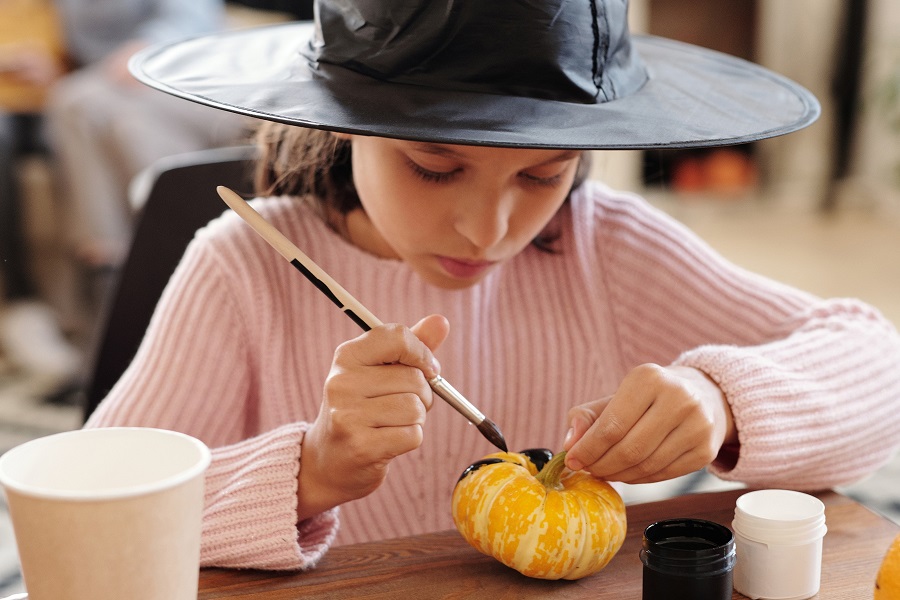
(551, 174)
(430, 175)
(538, 181)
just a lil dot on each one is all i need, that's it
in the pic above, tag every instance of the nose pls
(483, 219)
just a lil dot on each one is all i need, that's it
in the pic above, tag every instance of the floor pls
(851, 253)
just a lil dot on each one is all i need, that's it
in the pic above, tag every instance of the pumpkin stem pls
(549, 475)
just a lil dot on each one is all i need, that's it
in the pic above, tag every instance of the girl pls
(430, 157)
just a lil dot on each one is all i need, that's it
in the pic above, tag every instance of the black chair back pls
(181, 199)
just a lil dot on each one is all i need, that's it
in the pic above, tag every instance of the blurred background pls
(818, 209)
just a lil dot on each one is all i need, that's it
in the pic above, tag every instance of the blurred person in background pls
(31, 59)
(104, 127)
(63, 73)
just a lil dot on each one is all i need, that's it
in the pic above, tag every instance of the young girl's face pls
(453, 213)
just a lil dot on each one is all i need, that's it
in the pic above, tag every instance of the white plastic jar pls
(778, 544)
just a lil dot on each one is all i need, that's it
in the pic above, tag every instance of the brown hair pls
(312, 163)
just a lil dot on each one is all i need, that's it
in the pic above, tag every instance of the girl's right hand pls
(375, 399)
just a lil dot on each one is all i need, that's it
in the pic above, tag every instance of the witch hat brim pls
(692, 97)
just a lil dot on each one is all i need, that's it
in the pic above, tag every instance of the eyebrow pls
(443, 150)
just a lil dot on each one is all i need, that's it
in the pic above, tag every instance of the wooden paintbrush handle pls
(322, 280)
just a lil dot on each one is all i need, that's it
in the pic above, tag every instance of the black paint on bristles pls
(489, 430)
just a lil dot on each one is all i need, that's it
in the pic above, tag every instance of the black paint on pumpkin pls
(478, 464)
(538, 456)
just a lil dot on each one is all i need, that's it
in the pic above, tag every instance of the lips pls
(463, 269)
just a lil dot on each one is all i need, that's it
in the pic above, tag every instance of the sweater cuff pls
(742, 379)
(759, 394)
(250, 517)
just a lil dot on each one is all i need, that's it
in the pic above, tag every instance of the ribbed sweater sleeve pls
(251, 504)
(194, 373)
(812, 383)
(816, 408)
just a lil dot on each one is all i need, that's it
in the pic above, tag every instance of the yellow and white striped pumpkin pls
(532, 514)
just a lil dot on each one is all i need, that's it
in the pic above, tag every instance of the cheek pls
(536, 215)
(416, 223)
(399, 211)
(553, 203)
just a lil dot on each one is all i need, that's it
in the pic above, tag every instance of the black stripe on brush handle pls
(327, 291)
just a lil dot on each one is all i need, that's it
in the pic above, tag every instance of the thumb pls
(432, 330)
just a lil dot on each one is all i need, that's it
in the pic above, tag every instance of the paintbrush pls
(352, 307)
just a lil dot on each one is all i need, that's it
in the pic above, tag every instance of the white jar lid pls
(779, 516)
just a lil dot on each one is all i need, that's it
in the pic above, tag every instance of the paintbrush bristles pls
(490, 431)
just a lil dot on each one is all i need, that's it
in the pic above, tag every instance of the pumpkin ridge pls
(586, 558)
(516, 492)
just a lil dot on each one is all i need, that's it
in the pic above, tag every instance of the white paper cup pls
(778, 544)
(110, 513)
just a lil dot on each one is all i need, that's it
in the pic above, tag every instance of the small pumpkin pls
(532, 514)
(887, 582)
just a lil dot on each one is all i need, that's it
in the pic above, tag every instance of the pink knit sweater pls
(240, 345)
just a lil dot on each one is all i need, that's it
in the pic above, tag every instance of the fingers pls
(687, 463)
(392, 343)
(581, 418)
(388, 410)
(374, 407)
(617, 419)
(388, 359)
(365, 383)
(365, 447)
(677, 455)
(609, 431)
(658, 425)
(631, 440)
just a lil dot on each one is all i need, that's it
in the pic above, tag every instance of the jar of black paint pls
(687, 559)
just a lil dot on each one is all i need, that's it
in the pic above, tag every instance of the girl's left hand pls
(661, 423)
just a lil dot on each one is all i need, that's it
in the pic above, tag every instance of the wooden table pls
(443, 565)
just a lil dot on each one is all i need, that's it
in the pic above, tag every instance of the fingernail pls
(436, 366)
(569, 435)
